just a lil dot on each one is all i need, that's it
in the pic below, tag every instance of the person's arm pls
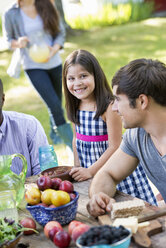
(8, 33)
(103, 186)
(58, 42)
(114, 128)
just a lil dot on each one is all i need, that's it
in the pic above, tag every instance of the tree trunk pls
(59, 6)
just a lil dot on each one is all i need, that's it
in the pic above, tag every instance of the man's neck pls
(1, 118)
(155, 126)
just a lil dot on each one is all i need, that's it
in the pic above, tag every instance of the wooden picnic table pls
(40, 240)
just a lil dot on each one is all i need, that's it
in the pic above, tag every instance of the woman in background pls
(32, 21)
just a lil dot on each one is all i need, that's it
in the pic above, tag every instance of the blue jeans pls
(48, 84)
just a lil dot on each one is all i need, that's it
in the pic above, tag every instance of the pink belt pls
(94, 138)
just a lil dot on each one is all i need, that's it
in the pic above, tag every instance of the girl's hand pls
(22, 41)
(99, 204)
(80, 174)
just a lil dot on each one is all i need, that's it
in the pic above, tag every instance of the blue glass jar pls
(47, 157)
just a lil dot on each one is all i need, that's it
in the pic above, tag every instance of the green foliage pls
(141, 10)
(113, 15)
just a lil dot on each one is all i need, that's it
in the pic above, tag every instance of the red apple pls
(50, 225)
(56, 183)
(72, 225)
(30, 223)
(79, 230)
(62, 239)
(53, 231)
(72, 196)
(44, 182)
(66, 186)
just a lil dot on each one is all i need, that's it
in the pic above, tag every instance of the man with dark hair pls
(139, 89)
(21, 133)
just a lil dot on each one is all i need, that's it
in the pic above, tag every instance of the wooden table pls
(40, 241)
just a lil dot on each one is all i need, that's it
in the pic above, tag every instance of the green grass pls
(113, 46)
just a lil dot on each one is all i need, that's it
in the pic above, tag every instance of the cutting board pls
(142, 237)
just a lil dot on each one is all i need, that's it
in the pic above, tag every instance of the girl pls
(29, 20)
(97, 129)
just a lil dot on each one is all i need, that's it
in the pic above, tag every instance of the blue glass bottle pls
(47, 157)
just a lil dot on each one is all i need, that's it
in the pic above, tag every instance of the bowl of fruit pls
(59, 171)
(105, 237)
(52, 200)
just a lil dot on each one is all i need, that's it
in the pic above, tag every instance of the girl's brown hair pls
(49, 15)
(102, 91)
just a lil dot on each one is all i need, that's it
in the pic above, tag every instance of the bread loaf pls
(127, 208)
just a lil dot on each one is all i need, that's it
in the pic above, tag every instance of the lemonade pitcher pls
(11, 181)
(38, 51)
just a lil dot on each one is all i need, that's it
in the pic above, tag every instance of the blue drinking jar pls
(47, 157)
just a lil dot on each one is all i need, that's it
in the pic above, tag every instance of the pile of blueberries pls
(99, 235)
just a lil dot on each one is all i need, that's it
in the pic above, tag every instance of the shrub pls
(110, 14)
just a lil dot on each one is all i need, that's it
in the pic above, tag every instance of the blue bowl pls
(124, 243)
(63, 214)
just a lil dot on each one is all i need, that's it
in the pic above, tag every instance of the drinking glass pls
(47, 157)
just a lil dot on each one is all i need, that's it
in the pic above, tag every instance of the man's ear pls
(3, 99)
(143, 100)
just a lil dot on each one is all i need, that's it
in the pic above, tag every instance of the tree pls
(59, 6)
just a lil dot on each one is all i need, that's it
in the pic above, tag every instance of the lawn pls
(113, 46)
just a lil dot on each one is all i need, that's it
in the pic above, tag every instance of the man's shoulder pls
(18, 116)
(135, 132)
(132, 141)
(134, 136)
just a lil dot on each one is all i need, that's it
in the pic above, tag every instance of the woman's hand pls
(22, 41)
(53, 50)
(80, 174)
(99, 204)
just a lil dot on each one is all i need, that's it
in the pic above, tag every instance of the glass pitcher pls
(8, 205)
(11, 181)
(38, 49)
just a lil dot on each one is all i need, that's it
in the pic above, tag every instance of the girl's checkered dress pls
(91, 143)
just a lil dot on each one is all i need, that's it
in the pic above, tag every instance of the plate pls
(60, 172)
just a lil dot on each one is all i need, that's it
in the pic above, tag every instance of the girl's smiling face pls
(80, 82)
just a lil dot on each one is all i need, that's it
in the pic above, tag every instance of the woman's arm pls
(58, 42)
(60, 38)
(8, 33)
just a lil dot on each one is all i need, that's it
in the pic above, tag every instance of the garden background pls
(114, 34)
